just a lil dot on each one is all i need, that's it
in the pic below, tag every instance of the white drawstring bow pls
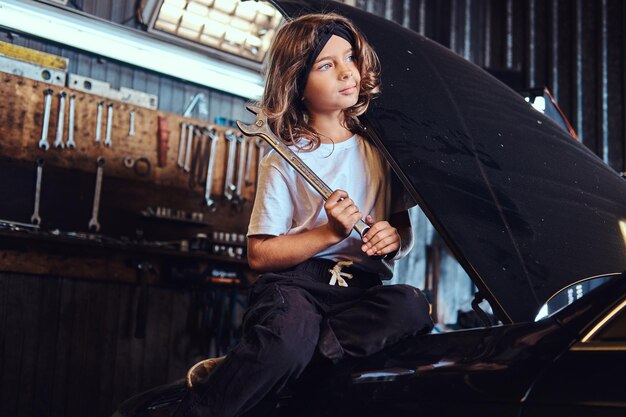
(337, 277)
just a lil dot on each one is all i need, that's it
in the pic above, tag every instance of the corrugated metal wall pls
(577, 48)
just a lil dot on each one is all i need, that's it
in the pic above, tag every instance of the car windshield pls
(570, 294)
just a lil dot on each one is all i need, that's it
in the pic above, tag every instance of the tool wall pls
(82, 166)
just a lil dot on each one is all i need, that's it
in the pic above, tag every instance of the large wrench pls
(229, 187)
(58, 142)
(43, 142)
(93, 223)
(35, 219)
(212, 137)
(70, 126)
(248, 165)
(261, 129)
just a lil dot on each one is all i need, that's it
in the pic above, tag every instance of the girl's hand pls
(342, 214)
(381, 239)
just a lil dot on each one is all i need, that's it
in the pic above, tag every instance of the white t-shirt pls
(285, 203)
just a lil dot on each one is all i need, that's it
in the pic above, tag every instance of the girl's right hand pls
(342, 214)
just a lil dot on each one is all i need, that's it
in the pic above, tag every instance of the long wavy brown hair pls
(294, 42)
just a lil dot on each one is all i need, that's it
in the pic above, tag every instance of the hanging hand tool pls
(131, 123)
(107, 140)
(70, 126)
(242, 165)
(35, 219)
(209, 133)
(186, 166)
(43, 142)
(93, 223)
(99, 122)
(181, 144)
(229, 187)
(260, 128)
(212, 136)
(248, 169)
(196, 155)
(58, 142)
(163, 138)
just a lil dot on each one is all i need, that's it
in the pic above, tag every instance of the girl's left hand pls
(381, 239)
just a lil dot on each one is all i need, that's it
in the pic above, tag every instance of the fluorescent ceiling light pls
(241, 29)
(124, 44)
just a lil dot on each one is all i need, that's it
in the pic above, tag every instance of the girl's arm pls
(275, 253)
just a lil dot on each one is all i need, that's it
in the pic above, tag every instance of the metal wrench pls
(107, 140)
(35, 219)
(261, 129)
(186, 166)
(181, 144)
(70, 126)
(43, 142)
(93, 223)
(248, 165)
(58, 142)
(229, 187)
(196, 157)
(99, 122)
(207, 132)
(212, 137)
(131, 123)
(241, 165)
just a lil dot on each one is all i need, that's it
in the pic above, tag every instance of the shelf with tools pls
(86, 164)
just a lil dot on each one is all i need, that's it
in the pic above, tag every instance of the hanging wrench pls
(242, 165)
(43, 142)
(248, 165)
(196, 157)
(261, 129)
(181, 144)
(99, 122)
(58, 142)
(229, 187)
(131, 128)
(186, 166)
(70, 126)
(93, 223)
(209, 133)
(35, 219)
(212, 137)
(107, 140)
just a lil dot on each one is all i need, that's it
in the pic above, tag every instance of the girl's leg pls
(384, 315)
(281, 329)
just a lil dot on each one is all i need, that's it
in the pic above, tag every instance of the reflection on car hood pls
(525, 208)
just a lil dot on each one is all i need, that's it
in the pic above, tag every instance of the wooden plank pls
(28, 313)
(64, 358)
(15, 338)
(156, 355)
(49, 325)
(179, 341)
(110, 333)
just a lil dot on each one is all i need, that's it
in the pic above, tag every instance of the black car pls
(533, 217)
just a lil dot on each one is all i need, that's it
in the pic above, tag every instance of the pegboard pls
(21, 125)
(127, 190)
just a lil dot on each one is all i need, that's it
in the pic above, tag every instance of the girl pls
(321, 291)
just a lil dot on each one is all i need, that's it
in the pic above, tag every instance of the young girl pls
(321, 290)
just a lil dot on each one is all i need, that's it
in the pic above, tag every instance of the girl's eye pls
(350, 58)
(324, 67)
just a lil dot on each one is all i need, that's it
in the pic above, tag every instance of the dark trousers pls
(290, 315)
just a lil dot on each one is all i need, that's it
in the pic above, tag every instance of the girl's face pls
(333, 83)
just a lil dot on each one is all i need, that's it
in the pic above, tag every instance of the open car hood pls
(525, 208)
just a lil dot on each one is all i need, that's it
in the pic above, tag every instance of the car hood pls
(526, 209)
